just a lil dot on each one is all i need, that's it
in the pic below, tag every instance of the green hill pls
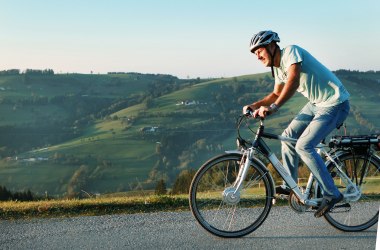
(37, 110)
(134, 129)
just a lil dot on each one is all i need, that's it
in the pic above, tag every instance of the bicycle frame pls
(259, 144)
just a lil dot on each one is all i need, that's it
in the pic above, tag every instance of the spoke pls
(364, 171)
(252, 182)
(226, 174)
(218, 210)
(347, 221)
(230, 217)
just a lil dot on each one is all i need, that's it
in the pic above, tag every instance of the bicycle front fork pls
(243, 170)
(231, 195)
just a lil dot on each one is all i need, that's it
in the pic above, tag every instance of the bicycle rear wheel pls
(364, 173)
(221, 210)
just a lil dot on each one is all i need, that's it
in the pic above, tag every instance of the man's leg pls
(294, 130)
(325, 121)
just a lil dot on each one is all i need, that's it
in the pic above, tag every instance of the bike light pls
(238, 142)
(241, 143)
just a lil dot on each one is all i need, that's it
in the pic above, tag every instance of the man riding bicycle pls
(295, 69)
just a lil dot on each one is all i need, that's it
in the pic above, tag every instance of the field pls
(109, 151)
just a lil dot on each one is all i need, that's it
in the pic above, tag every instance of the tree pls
(77, 182)
(160, 187)
(148, 102)
(183, 181)
(5, 194)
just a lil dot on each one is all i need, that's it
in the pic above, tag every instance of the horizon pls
(116, 73)
(187, 39)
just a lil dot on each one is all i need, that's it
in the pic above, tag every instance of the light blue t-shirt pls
(317, 83)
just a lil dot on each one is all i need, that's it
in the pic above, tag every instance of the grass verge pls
(11, 210)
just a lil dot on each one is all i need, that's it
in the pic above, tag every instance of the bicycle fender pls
(374, 155)
(233, 152)
(342, 152)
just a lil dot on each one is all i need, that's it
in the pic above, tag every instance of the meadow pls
(65, 134)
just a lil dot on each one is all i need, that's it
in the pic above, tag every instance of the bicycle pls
(232, 194)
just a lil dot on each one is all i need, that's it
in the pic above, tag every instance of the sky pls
(184, 38)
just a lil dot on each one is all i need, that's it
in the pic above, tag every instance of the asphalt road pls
(283, 229)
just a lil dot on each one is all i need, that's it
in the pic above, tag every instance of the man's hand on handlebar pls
(262, 112)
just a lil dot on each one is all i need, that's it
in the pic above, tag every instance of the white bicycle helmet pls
(263, 38)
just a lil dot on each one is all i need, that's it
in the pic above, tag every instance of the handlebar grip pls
(248, 112)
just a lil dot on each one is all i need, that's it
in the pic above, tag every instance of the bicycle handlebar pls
(249, 113)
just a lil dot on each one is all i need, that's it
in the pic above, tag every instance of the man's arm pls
(271, 98)
(290, 86)
(283, 91)
(266, 101)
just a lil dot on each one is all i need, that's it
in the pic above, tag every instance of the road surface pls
(283, 229)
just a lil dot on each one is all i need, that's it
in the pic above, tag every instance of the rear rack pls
(355, 140)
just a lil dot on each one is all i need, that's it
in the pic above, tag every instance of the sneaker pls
(327, 204)
(282, 190)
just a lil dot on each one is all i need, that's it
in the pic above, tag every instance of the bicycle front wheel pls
(364, 172)
(224, 211)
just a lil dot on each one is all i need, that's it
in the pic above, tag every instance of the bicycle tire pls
(220, 214)
(363, 213)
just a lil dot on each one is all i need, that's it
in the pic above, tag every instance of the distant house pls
(189, 102)
(34, 159)
(149, 129)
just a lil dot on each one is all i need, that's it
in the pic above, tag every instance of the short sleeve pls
(277, 79)
(291, 56)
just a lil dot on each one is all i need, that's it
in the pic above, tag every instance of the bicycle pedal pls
(341, 208)
(342, 205)
(283, 197)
